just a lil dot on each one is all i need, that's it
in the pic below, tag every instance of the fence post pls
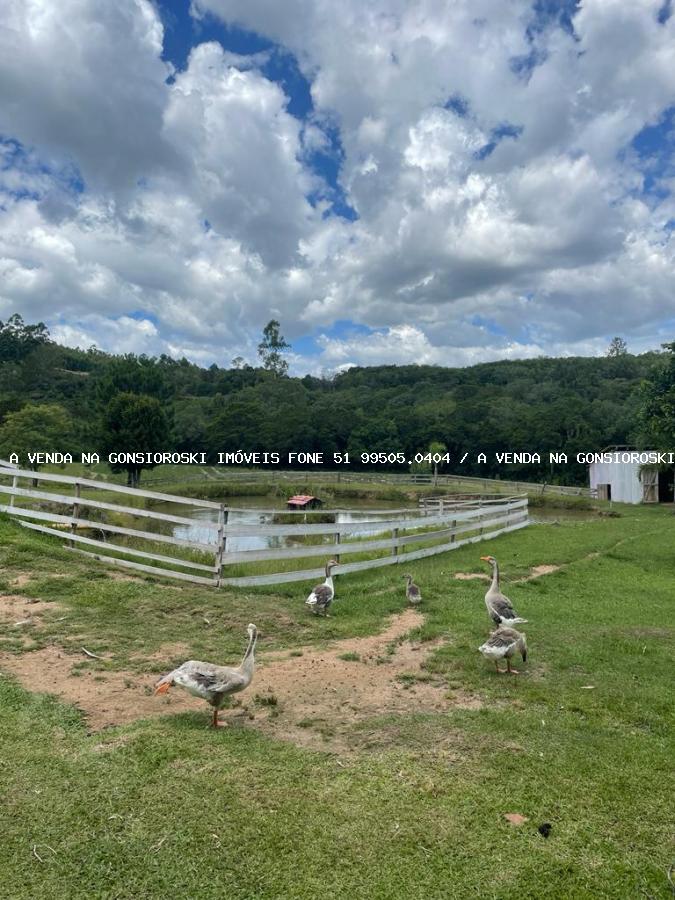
(394, 534)
(220, 551)
(337, 541)
(76, 513)
(453, 536)
(15, 483)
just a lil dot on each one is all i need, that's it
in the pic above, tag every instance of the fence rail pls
(398, 535)
(223, 473)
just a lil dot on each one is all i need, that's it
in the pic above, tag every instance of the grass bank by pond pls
(396, 804)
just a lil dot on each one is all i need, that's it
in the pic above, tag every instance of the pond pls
(546, 515)
(245, 513)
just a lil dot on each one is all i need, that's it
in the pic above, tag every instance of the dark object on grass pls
(545, 829)
(322, 594)
(412, 591)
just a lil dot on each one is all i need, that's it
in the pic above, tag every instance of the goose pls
(412, 591)
(503, 643)
(322, 594)
(210, 682)
(500, 609)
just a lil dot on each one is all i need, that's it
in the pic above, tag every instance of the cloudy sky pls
(402, 181)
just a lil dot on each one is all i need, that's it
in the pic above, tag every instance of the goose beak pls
(486, 558)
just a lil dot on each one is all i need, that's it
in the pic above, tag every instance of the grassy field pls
(164, 807)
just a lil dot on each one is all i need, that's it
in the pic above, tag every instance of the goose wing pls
(321, 595)
(501, 610)
(504, 637)
(205, 679)
(501, 642)
(414, 592)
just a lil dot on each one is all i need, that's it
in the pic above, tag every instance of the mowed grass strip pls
(583, 739)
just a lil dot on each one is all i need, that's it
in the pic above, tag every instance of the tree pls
(436, 449)
(617, 347)
(17, 339)
(35, 428)
(657, 411)
(134, 423)
(135, 375)
(271, 347)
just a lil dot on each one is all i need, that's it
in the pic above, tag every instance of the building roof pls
(301, 499)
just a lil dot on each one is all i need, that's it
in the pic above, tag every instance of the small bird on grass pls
(322, 595)
(412, 591)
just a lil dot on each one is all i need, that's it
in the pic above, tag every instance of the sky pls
(403, 181)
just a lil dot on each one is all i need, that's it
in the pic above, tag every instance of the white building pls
(630, 482)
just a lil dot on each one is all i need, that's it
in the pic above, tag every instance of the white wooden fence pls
(296, 476)
(402, 535)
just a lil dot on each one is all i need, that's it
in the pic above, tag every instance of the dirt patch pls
(320, 695)
(313, 700)
(107, 698)
(16, 608)
(648, 632)
(21, 580)
(537, 572)
(166, 652)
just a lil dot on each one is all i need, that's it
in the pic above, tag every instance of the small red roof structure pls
(303, 501)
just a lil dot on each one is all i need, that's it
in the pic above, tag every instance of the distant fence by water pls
(294, 476)
(74, 510)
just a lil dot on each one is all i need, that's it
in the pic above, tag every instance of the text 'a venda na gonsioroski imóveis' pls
(319, 458)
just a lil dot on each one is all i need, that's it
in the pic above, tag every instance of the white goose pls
(322, 595)
(500, 609)
(210, 682)
(502, 644)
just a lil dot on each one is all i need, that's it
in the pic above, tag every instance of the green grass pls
(167, 808)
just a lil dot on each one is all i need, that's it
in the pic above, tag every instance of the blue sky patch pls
(655, 149)
(505, 130)
(182, 32)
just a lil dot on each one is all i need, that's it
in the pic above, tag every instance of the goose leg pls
(500, 671)
(509, 669)
(214, 720)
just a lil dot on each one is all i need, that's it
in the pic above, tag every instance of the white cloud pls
(195, 213)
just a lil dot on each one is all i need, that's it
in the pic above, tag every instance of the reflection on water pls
(546, 515)
(250, 516)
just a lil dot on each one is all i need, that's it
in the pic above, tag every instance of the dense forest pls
(72, 399)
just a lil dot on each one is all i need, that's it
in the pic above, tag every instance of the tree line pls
(59, 398)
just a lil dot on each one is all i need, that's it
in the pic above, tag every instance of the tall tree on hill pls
(18, 339)
(657, 411)
(617, 347)
(271, 347)
(134, 423)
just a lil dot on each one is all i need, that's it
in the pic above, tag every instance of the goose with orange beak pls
(500, 609)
